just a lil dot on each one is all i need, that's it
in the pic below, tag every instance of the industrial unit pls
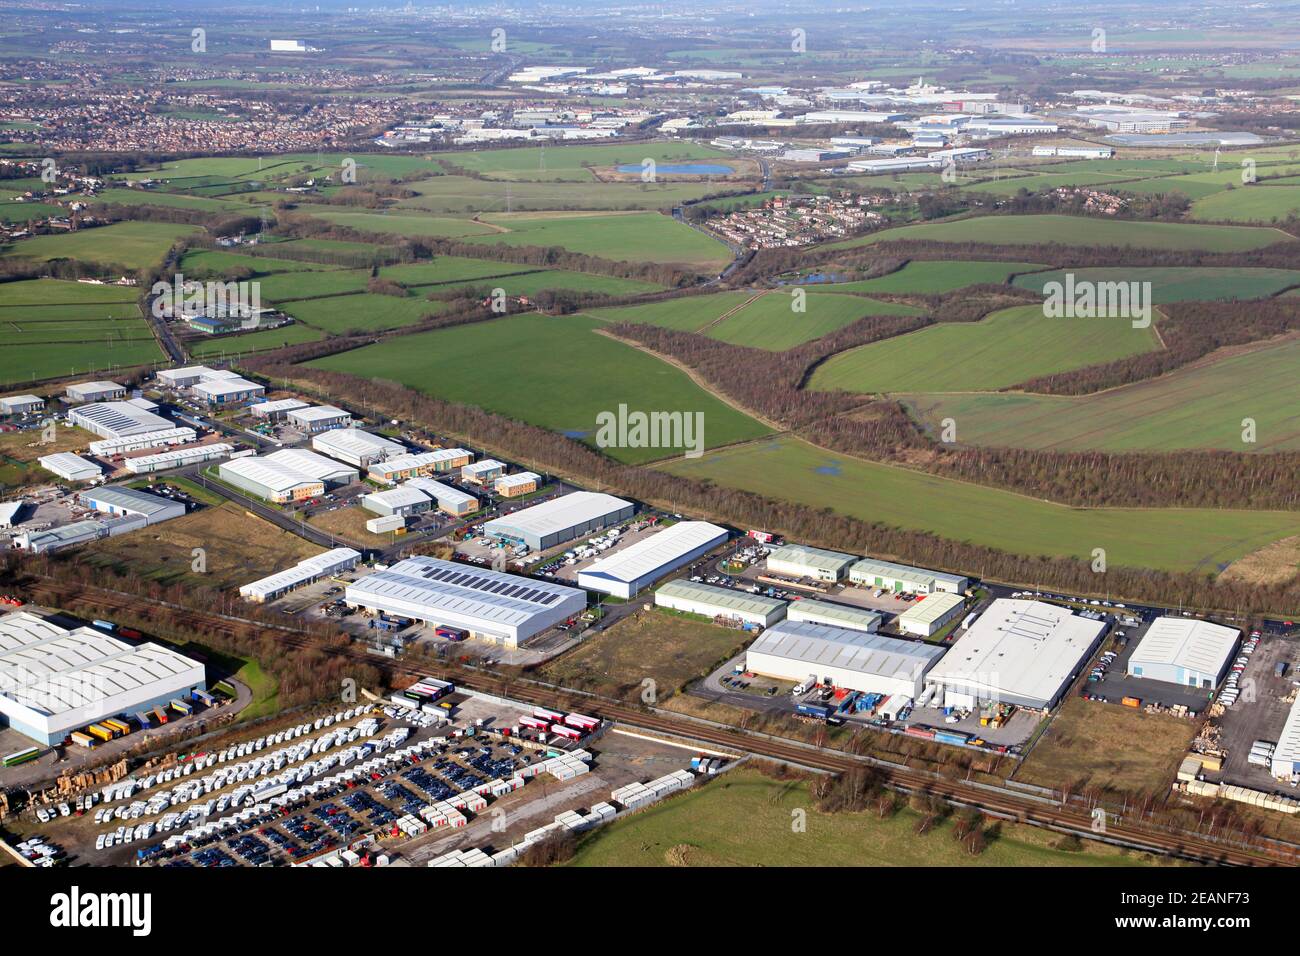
(304, 572)
(54, 680)
(639, 565)
(94, 392)
(418, 464)
(357, 448)
(512, 486)
(70, 467)
(78, 532)
(269, 480)
(276, 410)
(397, 501)
(801, 561)
(313, 466)
(1286, 755)
(834, 615)
(871, 573)
(1017, 652)
(483, 472)
(560, 519)
(227, 391)
(10, 513)
(108, 447)
(191, 375)
(130, 503)
(1185, 651)
(451, 500)
(145, 464)
(118, 419)
(491, 605)
(21, 404)
(928, 617)
(319, 418)
(840, 657)
(714, 602)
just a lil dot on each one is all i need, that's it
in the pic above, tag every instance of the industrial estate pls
(561, 437)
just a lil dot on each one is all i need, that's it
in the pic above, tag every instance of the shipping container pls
(82, 739)
(582, 723)
(570, 733)
(103, 733)
(1131, 702)
(179, 706)
(535, 723)
(121, 727)
(549, 715)
(452, 633)
(143, 719)
(813, 710)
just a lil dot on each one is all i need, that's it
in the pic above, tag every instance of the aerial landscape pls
(694, 436)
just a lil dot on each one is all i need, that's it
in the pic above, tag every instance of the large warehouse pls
(1017, 652)
(359, 449)
(639, 565)
(927, 617)
(130, 503)
(491, 605)
(1286, 756)
(722, 603)
(1184, 650)
(873, 663)
(313, 466)
(560, 519)
(801, 561)
(118, 419)
(269, 480)
(54, 680)
(94, 392)
(871, 573)
(834, 615)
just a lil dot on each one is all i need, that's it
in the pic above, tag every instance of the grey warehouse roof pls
(828, 646)
(1186, 642)
(720, 597)
(559, 514)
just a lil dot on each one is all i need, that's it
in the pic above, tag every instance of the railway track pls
(1036, 811)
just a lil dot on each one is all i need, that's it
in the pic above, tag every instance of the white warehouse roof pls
(1186, 642)
(1019, 651)
(311, 465)
(560, 514)
(306, 570)
(356, 443)
(826, 646)
(660, 550)
(118, 419)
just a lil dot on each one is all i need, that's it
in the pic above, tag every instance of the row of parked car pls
(1228, 696)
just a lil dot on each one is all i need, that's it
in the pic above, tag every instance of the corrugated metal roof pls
(131, 500)
(903, 572)
(311, 465)
(1186, 642)
(119, 419)
(722, 598)
(558, 514)
(838, 615)
(827, 646)
(305, 570)
(67, 463)
(402, 497)
(269, 474)
(443, 494)
(811, 557)
(354, 441)
(931, 608)
(648, 555)
(1288, 741)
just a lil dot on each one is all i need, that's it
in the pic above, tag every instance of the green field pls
(409, 224)
(744, 819)
(128, 245)
(1258, 203)
(572, 163)
(208, 347)
(448, 195)
(1177, 283)
(555, 372)
(155, 197)
(686, 314)
(205, 262)
(1006, 348)
(364, 311)
(1009, 185)
(630, 237)
(926, 277)
(1174, 539)
(52, 292)
(769, 322)
(1080, 231)
(1197, 407)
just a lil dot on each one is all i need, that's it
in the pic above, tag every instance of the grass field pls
(206, 262)
(933, 277)
(350, 524)
(1179, 284)
(240, 548)
(411, 224)
(50, 292)
(1004, 349)
(668, 648)
(128, 245)
(1108, 746)
(365, 311)
(769, 322)
(630, 237)
(293, 334)
(572, 163)
(1080, 231)
(1175, 539)
(20, 450)
(1258, 203)
(550, 371)
(744, 819)
(1196, 407)
(452, 195)
(156, 197)
(686, 314)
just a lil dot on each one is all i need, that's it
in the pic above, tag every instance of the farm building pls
(833, 615)
(928, 616)
(449, 499)
(21, 404)
(359, 449)
(54, 680)
(163, 437)
(130, 503)
(304, 572)
(1286, 756)
(319, 418)
(269, 480)
(1186, 651)
(70, 467)
(639, 565)
(419, 464)
(276, 411)
(94, 392)
(723, 603)
(801, 561)
(146, 464)
(512, 486)
(482, 472)
(1017, 652)
(397, 501)
(872, 663)
(491, 605)
(870, 573)
(560, 519)
(314, 466)
(118, 420)
(226, 391)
